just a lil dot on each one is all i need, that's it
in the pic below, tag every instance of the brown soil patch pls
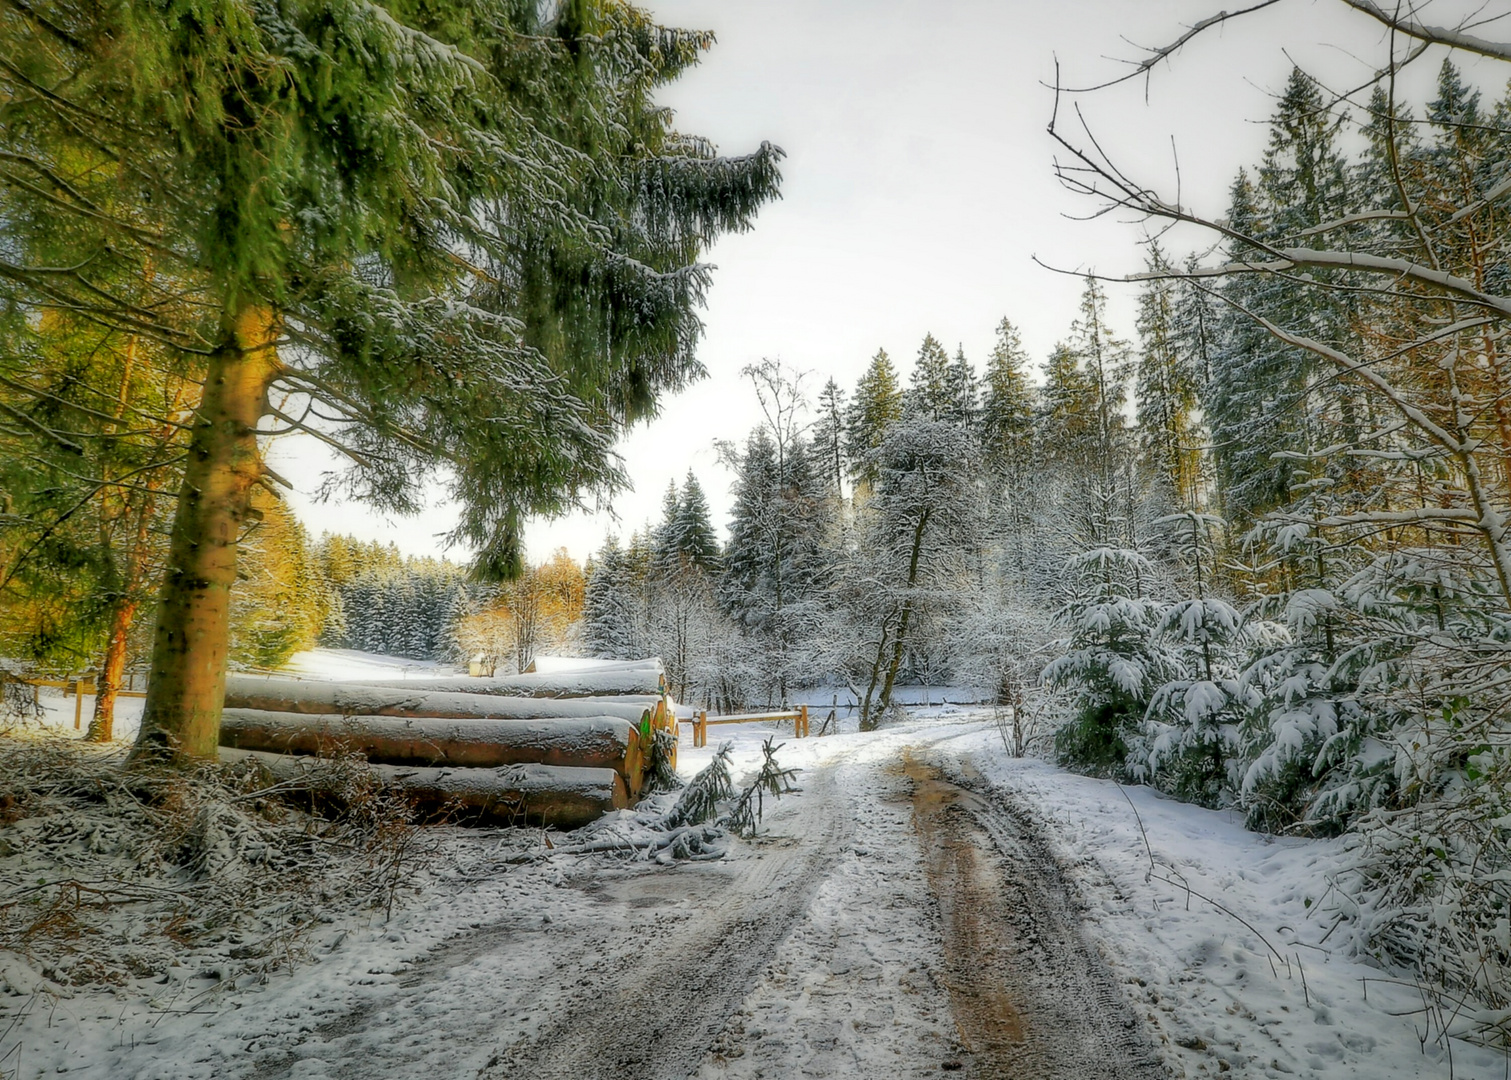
(1031, 1000)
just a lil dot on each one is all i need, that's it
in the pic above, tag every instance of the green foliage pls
(771, 779)
(699, 801)
(876, 404)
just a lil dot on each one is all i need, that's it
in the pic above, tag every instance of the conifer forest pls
(1240, 540)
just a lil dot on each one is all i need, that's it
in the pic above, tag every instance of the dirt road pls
(889, 922)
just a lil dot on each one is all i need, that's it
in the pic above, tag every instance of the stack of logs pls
(557, 749)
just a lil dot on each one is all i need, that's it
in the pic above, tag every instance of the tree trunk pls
(189, 650)
(113, 666)
(102, 723)
(907, 613)
(867, 719)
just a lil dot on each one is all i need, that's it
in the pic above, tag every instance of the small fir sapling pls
(772, 779)
(700, 800)
(660, 775)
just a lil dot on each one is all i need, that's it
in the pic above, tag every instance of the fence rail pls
(701, 722)
(79, 686)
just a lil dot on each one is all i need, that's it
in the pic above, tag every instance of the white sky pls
(917, 189)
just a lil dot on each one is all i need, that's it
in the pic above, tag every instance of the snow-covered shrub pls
(1430, 889)
(1112, 662)
(999, 644)
(18, 698)
(1191, 735)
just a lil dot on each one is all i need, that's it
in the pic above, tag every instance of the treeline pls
(293, 593)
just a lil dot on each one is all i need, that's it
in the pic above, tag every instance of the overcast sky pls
(918, 188)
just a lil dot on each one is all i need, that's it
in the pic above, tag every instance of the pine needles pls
(699, 801)
(660, 774)
(772, 779)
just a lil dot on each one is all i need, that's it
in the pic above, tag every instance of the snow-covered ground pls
(1219, 947)
(1247, 983)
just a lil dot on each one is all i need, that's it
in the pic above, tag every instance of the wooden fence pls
(80, 686)
(701, 721)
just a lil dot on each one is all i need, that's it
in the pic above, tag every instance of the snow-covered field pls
(1214, 932)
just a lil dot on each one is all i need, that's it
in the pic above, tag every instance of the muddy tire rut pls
(1030, 996)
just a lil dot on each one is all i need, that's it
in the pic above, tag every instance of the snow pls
(1254, 988)
(1201, 979)
(354, 665)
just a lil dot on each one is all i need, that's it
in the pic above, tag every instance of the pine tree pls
(480, 226)
(1007, 413)
(609, 606)
(964, 393)
(1265, 416)
(697, 541)
(877, 405)
(929, 387)
(829, 437)
(1166, 388)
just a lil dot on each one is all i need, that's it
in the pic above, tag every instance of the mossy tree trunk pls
(186, 687)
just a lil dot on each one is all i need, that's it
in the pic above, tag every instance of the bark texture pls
(597, 743)
(564, 798)
(190, 646)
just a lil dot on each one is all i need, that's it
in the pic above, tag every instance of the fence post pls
(802, 715)
(78, 703)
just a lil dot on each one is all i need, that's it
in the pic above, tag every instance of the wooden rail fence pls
(79, 686)
(701, 722)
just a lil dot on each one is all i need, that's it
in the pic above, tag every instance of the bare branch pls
(1437, 35)
(1164, 52)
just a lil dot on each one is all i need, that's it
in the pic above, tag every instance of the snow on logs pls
(562, 796)
(364, 699)
(553, 761)
(617, 681)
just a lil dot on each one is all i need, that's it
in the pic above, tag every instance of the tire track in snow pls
(657, 1016)
(1031, 997)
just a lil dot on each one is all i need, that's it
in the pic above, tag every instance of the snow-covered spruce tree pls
(964, 390)
(1113, 659)
(1007, 409)
(463, 235)
(1191, 741)
(930, 393)
(1166, 388)
(611, 606)
(1380, 702)
(776, 563)
(828, 438)
(682, 621)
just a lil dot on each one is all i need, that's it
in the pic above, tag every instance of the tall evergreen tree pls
(1007, 413)
(696, 539)
(929, 386)
(829, 436)
(877, 405)
(467, 232)
(964, 393)
(1166, 388)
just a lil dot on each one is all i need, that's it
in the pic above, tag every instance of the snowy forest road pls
(888, 921)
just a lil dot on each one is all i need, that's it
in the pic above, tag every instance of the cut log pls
(553, 795)
(568, 684)
(603, 742)
(270, 694)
